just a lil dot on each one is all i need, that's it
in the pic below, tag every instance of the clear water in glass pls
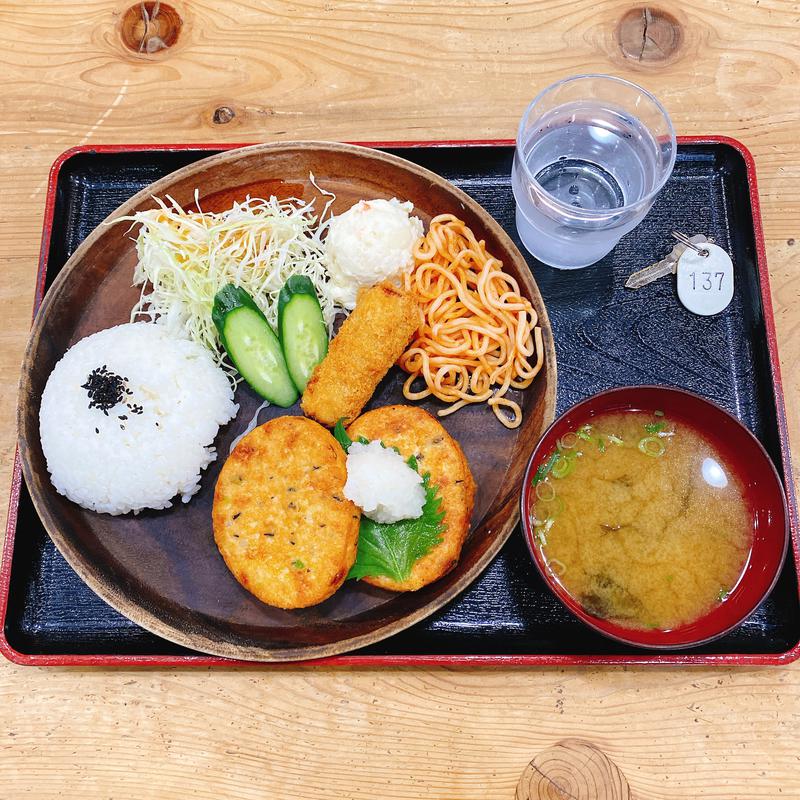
(585, 173)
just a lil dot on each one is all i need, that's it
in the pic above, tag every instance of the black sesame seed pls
(105, 389)
(237, 515)
(97, 430)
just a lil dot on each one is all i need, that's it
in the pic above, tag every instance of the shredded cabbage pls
(186, 257)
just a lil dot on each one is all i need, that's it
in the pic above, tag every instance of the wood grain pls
(572, 770)
(396, 69)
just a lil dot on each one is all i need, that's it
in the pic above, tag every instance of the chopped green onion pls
(652, 446)
(615, 440)
(543, 530)
(583, 432)
(723, 595)
(546, 492)
(568, 441)
(544, 469)
(537, 518)
(658, 413)
(655, 427)
(563, 467)
(298, 564)
(601, 445)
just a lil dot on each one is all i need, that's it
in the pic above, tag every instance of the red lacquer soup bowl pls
(742, 455)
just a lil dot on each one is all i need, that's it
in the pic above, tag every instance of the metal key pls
(667, 266)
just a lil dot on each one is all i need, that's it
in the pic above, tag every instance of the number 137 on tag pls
(705, 281)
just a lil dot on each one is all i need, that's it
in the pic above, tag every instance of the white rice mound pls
(114, 465)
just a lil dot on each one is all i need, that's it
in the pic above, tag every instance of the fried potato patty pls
(281, 522)
(370, 340)
(415, 432)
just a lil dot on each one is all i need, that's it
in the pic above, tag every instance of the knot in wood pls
(572, 770)
(148, 28)
(223, 115)
(649, 35)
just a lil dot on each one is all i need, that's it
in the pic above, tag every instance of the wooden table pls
(369, 70)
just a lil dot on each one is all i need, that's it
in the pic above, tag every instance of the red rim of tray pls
(357, 660)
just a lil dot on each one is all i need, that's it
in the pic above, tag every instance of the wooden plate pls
(161, 569)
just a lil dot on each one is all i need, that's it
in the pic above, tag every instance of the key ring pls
(684, 239)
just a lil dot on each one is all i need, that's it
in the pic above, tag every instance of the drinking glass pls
(593, 151)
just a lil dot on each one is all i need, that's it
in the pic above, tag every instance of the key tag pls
(705, 278)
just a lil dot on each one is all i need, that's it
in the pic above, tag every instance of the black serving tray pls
(605, 336)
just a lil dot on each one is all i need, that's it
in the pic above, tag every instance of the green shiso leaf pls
(340, 434)
(391, 549)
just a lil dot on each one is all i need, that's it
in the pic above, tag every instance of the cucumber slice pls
(302, 330)
(253, 346)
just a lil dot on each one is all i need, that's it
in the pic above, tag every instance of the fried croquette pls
(369, 342)
(415, 432)
(281, 521)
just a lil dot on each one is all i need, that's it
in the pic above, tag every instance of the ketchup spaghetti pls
(478, 336)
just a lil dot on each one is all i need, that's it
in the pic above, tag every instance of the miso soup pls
(641, 520)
